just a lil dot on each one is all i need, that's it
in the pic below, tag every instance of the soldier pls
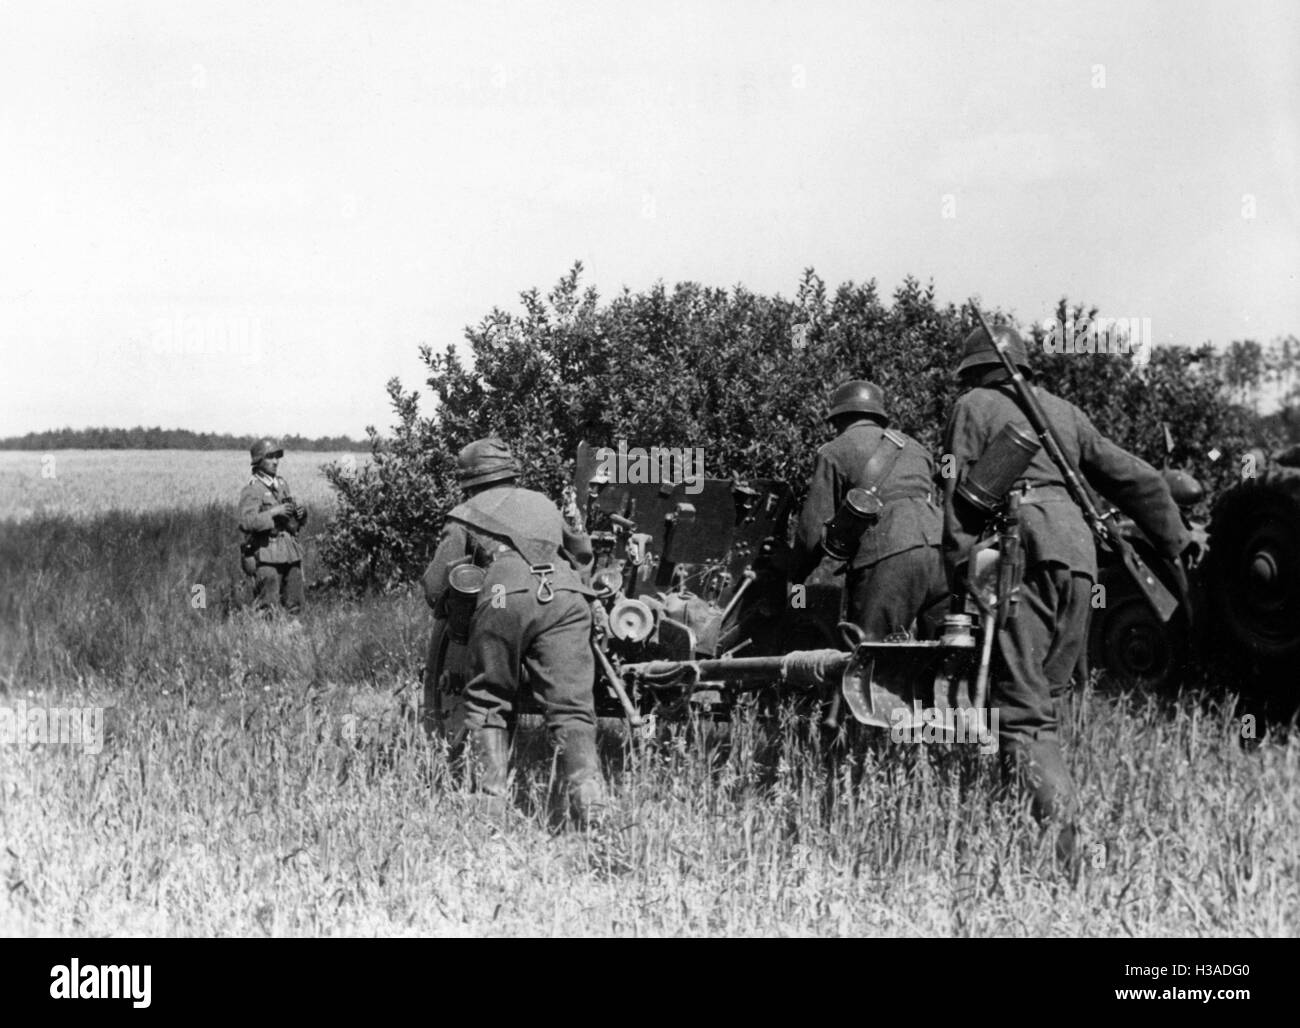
(270, 519)
(532, 610)
(1040, 646)
(896, 576)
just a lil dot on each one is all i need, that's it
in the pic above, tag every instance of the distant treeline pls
(165, 439)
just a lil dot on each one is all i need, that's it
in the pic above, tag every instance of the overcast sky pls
(322, 187)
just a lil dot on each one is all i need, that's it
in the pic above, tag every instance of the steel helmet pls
(1185, 489)
(483, 461)
(979, 350)
(265, 448)
(858, 397)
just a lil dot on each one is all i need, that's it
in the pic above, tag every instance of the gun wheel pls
(1253, 566)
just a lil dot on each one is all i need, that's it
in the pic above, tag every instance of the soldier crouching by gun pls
(1039, 647)
(878, 483)
(531, 610)
(270, 520)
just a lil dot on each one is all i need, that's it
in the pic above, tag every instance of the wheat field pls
(85, 482)
(261, 779)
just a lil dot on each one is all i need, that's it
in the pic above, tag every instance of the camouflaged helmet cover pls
(484, 461)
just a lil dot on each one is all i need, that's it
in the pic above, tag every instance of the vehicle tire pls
(1130, 644)
(1253, 568)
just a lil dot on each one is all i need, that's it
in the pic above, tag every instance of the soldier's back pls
(522, 514)
(1052, 526)
(909, 517)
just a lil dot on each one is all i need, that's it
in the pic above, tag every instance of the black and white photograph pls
(714, 470)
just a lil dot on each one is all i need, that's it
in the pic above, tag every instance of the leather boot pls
(1039, 766)
(489, 753)
(580, 767)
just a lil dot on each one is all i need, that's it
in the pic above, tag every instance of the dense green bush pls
(742, 375)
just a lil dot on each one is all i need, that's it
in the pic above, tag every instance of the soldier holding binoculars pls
(270, 519)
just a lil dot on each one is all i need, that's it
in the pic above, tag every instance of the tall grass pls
(260, 779)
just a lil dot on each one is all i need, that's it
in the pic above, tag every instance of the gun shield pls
(991, 477)
(859, 511)
(463, 586)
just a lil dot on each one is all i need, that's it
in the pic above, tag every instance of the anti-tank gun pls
(736, 534)
(685, 570)
(690, 573)
(693, 611)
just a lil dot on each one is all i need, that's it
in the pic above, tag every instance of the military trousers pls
(889, 595)
(276, 585)
(1038, 651)
(551, 641)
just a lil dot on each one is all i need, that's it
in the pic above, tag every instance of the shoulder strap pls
(882, 461)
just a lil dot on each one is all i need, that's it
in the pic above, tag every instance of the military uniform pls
(1040, 647)
(897, 575)
(533, 611)
(271, 544)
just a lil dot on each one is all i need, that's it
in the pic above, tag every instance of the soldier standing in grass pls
(1040, 646)
(532, 611)
(895, 576)
(270, 519)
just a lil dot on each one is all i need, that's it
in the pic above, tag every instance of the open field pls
(256, 779)
(83, 482)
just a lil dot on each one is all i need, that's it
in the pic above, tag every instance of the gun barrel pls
(802, 668)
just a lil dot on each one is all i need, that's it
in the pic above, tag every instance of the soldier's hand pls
(1194, 552)
(280, 510)
(300, 512)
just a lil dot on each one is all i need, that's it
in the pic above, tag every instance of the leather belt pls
(907, 494)
(1042, 493)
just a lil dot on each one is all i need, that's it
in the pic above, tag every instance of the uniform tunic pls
(896, 575)
(278, 574)
(1041, 645)
(509, 530)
